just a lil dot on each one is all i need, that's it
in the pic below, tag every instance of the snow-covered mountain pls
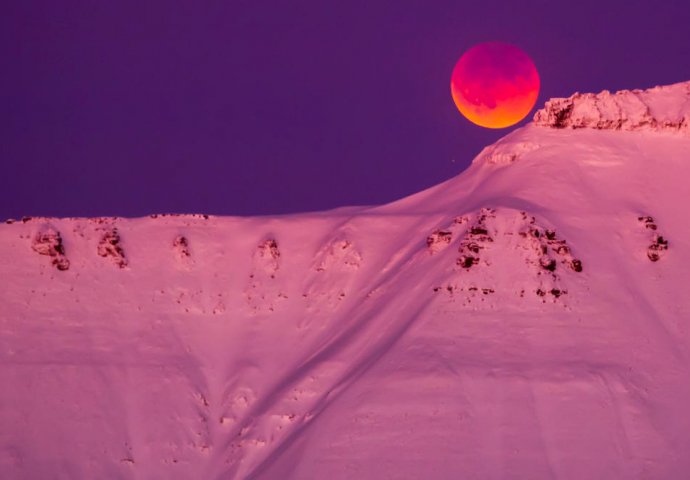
(528, 318)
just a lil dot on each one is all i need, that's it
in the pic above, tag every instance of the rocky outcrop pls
(658, 244)
(438, 240)
(181, 247)
(269, 255)
(550, 249)
(474, 240)
(664, 108)
(182, 252)
(110, 246)
(533, 260)
(48, 241)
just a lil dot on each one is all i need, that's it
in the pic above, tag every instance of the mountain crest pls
(664, 108)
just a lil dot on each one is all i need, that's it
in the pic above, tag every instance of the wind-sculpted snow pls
(505, 151)
(525, 319)
(664, 108)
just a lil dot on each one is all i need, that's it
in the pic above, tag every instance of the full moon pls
(494, 85)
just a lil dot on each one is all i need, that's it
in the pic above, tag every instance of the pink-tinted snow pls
(526, 319)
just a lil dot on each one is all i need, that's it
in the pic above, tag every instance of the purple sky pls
(248, 107)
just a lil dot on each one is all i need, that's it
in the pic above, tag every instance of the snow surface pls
(512, 322)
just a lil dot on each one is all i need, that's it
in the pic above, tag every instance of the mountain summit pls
(525, 319)
(664, 108)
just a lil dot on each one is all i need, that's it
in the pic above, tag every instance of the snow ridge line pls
(665, 108)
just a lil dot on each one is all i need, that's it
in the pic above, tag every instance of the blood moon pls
(494, 84)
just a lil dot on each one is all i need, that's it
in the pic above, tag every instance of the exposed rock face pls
(48, 241)
(510, 240)
(438, 240)
(182, 252)
(551, 249)
(269, 254)
(664, 108)
(474, 239)
(109, 246)
(181, 246)
(659, 245)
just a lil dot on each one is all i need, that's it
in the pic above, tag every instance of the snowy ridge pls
(664, 108)
(524, 319)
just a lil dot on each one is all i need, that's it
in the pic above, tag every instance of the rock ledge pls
(665, 108)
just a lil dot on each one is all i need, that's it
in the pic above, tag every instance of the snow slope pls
(525, 319)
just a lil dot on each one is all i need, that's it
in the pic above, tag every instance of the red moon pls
(494, 85)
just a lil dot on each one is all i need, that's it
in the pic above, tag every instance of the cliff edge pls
(663, 108)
